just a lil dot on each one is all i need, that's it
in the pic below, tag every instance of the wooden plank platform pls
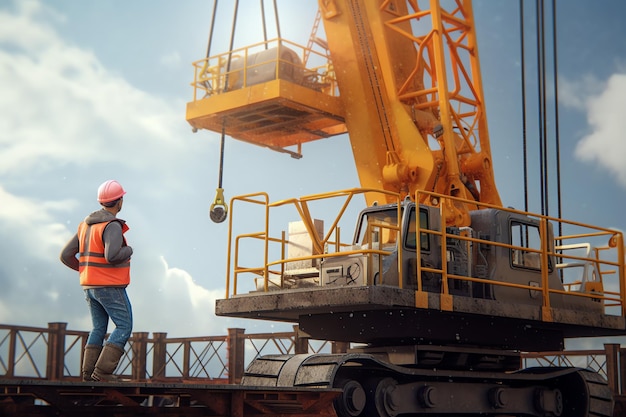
(36, 398)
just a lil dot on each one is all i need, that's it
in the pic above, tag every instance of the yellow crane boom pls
(402, 80)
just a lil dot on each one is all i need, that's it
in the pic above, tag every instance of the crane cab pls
(499, 257)
(405, 277)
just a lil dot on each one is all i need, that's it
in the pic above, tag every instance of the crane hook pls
(219, 210)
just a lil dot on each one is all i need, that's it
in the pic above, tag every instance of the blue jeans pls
(113, 303)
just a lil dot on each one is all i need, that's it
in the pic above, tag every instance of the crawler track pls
(372, 387)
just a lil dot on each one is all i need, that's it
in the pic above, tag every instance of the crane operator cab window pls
(411, 236)
(378, 227)
(377, 222)
(527, 241)
(431, 282)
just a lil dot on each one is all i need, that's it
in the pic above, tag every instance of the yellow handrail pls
(608, 270)
(614, 237)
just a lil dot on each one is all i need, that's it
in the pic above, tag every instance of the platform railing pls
(273, 59)
(609, 362)
(55, 353)
(602, 267)
(264, 267)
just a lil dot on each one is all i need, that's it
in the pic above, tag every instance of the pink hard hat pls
(109, 191)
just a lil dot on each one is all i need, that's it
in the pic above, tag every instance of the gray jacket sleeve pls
(115, 249)
(68, 254)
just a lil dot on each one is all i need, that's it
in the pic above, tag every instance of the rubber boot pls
(107, 362)
(90, 357)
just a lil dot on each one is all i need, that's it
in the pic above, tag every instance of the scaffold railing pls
(54, 353)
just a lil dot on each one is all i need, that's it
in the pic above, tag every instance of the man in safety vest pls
(104, 267)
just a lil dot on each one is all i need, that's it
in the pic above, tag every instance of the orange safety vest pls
(92, 265)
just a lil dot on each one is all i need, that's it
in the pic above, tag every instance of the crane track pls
(373, 387)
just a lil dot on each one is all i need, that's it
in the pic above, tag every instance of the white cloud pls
(67, 123)
(27, 12)
(603, 103)
(60, 105)
(30, 227)
(606, 144)
(575, 94)
(171, 60)
(172, 301)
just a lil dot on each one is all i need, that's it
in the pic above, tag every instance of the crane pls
(441, 287)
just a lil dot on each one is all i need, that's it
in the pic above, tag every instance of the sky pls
(92, 91)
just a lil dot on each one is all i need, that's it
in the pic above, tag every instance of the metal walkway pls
(36, 398)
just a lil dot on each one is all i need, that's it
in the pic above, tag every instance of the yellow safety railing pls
(272, 271)
(240, 68)
(611, 292)
(598, 273)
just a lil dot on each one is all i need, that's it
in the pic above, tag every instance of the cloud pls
(67, 123)
(22, 214)
(44, 82)
(171, 60)
(607, 143)
(603, 104)
(173, 302)
(575, 94)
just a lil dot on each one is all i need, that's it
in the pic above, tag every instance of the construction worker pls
(104, 268)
